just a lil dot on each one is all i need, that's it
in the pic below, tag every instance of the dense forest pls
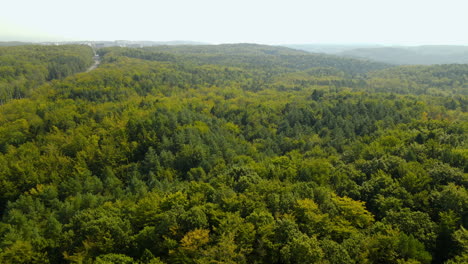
(23, 68)
(230, 154)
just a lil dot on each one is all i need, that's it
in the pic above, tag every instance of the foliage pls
(23, 68)
(231, 154)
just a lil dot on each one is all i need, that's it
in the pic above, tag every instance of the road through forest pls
(97, 61)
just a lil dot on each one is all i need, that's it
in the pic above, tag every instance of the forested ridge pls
(230, 154)
(23, 68)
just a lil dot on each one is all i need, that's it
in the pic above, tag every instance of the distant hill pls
(13, 43)
(229, 49)
(144, 43)
(101, 44)
(127, 43)
(330, 48)
(255, 56)
(424, 55)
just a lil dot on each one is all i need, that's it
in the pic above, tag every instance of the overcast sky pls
(403, 22)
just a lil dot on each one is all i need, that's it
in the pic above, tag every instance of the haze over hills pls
(101, 44)
(330, 48)
(400, 55)
(13, 43)
(425, 55)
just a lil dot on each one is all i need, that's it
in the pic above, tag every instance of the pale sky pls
(400, 22)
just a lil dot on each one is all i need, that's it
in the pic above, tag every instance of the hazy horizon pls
(334, 22)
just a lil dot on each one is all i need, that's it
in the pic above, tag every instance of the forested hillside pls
(233, 154)
(268, 59)
(439, 80)
(23, 68)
